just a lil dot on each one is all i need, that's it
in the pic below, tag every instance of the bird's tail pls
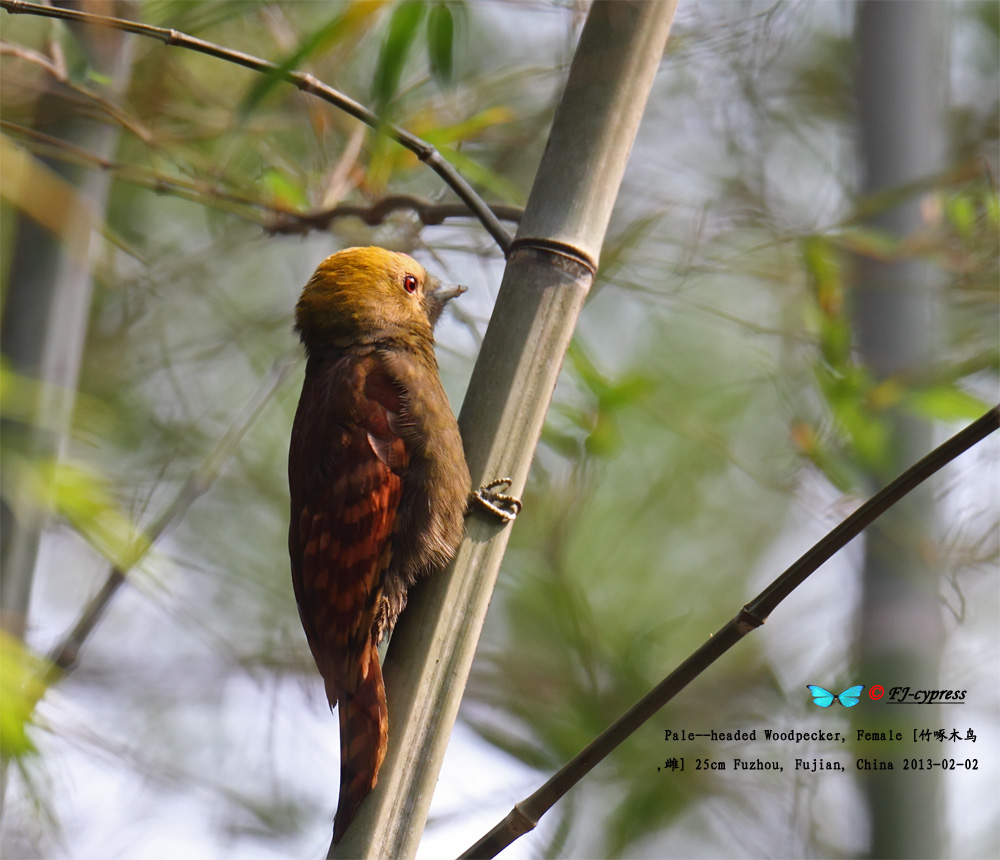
(364, 737)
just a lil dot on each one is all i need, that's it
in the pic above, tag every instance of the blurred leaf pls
(824, 266)
(989, 16)
(586, 372)
(97, 77)
(872, 437)
(81, 496)
(626, 392)
(842, 383)
(385, 157)
(961, 212)
(868, 242)
(482, 176)
(440, 42)
(856, 404)
(21, 686)
(403, 25)
(835, 341)
(944, 402)
(822, 263)
(830, 462)
(468, 128)
(605, 439)
(20, 397)
(598, 417)
(885, 394)
(565, 444)
(283, 191)
(343, 26)
(44, 196)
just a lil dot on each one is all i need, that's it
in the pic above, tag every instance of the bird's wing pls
(345, 466)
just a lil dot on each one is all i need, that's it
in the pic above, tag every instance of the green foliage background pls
(711, 421)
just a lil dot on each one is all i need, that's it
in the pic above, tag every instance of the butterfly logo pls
(824, 698)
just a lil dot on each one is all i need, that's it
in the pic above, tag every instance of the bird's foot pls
(497, 503)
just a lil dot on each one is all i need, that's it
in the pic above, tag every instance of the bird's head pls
(369, 295)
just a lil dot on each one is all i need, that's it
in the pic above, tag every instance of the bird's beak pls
(438, 296)
(446, 292)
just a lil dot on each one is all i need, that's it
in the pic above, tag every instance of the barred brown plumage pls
(377, 478)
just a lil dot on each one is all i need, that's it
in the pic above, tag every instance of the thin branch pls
(236, 204)
(375, 213)
(7, 49)
(64, 656)
(57, 70)
(525, 815)
(765, 603)
(281, 221)
(305, 82)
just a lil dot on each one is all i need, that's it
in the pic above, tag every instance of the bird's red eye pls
(410, 284)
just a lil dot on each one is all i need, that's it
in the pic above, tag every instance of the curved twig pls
(375, 213)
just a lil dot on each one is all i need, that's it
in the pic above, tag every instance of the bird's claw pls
(499, 504)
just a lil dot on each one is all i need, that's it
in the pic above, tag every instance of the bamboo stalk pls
(550, 269)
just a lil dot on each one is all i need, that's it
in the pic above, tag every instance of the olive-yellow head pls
(369, 295)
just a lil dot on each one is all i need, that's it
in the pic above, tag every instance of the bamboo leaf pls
(441, 42)
(21, 686)
(82, 497)
(403, 26)
(944, 403)
(283, 191)
(482, 176)
(47, 198)
(343, 26)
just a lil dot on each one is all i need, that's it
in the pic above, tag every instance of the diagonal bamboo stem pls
(526, 814)
(550, 269)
